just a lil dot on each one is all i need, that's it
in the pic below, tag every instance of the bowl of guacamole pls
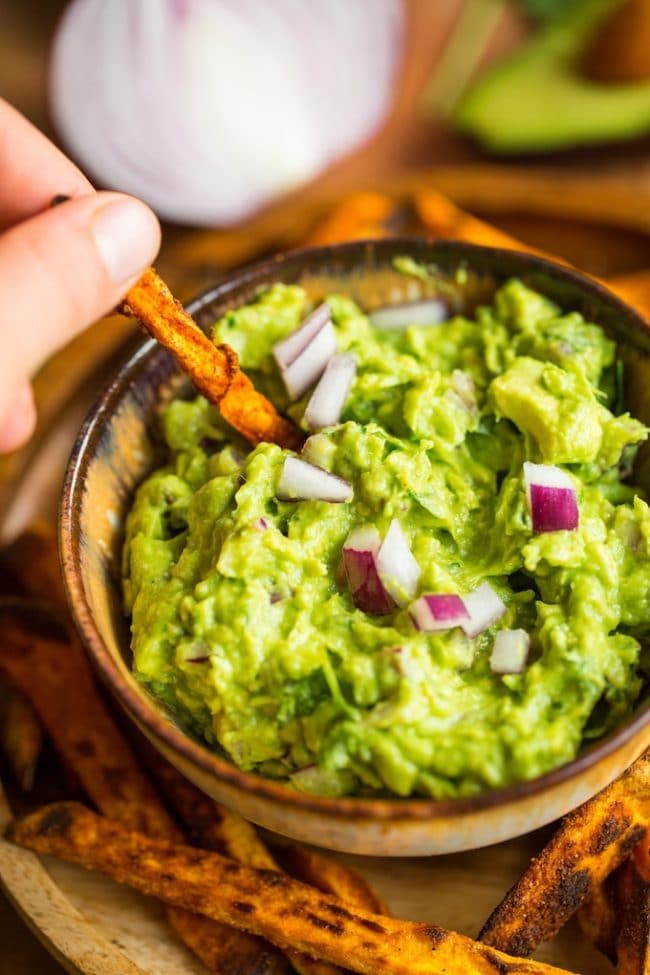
(427, 629)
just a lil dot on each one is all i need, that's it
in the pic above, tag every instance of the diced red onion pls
(509, 652)
(309, 365)
(552, 498)
(431, 311)
(360, 551)
(396, 565)
(485, 607)
(328, 399)
(288, 349)
(197, 653)
(440, 611)
(463, 383)
(261, 524)
(301, 481)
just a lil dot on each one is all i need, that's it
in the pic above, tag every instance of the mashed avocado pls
(244, 626)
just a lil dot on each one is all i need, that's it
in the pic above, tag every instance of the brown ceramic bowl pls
(114, 452)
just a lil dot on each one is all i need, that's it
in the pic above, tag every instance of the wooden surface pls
(458, 890)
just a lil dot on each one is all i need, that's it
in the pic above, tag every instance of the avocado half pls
(538, 100)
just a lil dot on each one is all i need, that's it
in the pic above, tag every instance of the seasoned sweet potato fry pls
(213, 369)
(207, 823)
(264, 902)
(56, 678)
(357, 216)
(642, 857)
(633, 288)
(598, 917)
(255, 417)
(331, 877)
(213, 827)
(53, 674)
(633, 915)
(442, 218)
(21, 737)
(32, 561)
(590, 843)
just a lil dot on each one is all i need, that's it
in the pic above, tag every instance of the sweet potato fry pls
(442, 218)
(56, 678)
(633, 288)
(206, 823)
(590, 843)
(264, 902)
(598, 917)
(32, 561)
(357, 216)
(633, 913)
(642, 857)
(213, 827)
(21, 737)
(331, 877)
(213, 369)
(255, 417)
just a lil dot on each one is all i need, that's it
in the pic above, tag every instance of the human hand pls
(60, 267)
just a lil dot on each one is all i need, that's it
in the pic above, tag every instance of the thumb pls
(59, 271)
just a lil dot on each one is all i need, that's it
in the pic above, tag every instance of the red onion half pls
(301, 481)
(552, 498)
(431, 311)
(440, 611)
(509, 652)
(208, 109)
(360, 551)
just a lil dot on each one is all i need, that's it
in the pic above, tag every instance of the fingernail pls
(126, 234)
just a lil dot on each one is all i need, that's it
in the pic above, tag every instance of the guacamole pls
(243, 622)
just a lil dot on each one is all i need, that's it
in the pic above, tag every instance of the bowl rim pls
(139, 704)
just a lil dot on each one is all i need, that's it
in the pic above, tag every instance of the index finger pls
(32, 170)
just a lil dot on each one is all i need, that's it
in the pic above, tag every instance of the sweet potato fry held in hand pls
(590, 843)
(262, 902)
(214, 369)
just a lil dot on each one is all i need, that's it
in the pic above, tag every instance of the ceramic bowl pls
(115, 451)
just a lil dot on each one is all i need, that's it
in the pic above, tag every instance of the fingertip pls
(127, 236)
(19, 423)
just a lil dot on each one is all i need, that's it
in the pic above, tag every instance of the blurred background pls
(253, 125)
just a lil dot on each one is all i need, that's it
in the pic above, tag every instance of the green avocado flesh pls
(538, 99)
(247, 631)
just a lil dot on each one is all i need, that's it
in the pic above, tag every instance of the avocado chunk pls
(539, 100)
